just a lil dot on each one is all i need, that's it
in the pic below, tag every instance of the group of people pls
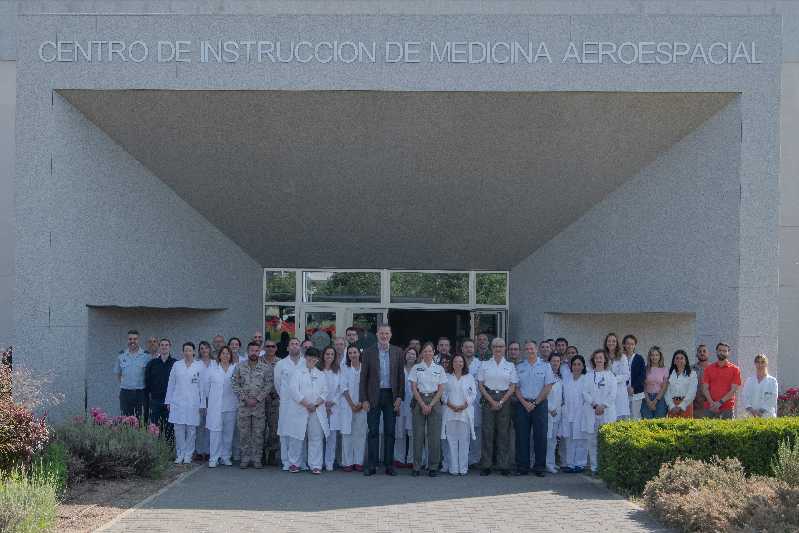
(422, 407)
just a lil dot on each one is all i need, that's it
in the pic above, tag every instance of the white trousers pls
(316, 439)
(551, 445)
(185, 438)
(353, 446)
(575, 452)
(446, 459)
(330, 449)
(221, 444)
(458, 441)
(591, 445)
(635, 409)
(203, 443)
(474, 448)
(284, 451)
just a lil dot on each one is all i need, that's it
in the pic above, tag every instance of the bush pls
(28, 501)
(632, 452)
(112, 451)
(701, 497)
(53, 464)
(21, 435)
(786, 463)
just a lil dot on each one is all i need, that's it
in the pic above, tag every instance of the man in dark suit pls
(382, 389)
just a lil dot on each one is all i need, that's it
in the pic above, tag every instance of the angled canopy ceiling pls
(363, 179)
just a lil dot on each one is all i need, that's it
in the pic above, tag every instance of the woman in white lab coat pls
(599, 397)
(555, 407)
(307, 415)
(457, 424)
(681, 388)
(203, 443)
(353, 415)
(334, 403)
(184, 398)
(571, 421)
(620, 366)
(761, 390)
(403, 431)
(220, 417)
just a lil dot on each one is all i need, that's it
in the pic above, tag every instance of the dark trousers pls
(131, 402)
(385, 406)
(537, 421)
(159, 415)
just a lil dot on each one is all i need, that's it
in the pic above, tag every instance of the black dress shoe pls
(485, 472)
(506, 472)
(539, 474)
(432, 473)
(415, 473)
(520, 473)
(391, 472)
(369, 471)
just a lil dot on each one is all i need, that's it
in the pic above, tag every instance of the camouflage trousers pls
(272, 448)
(251, 424)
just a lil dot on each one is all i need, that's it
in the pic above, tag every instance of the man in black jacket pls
(156, 379)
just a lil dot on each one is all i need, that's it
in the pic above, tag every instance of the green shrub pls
(113, 452)
(786, 462)
(53, 464)
(631, 452)
(28, 501)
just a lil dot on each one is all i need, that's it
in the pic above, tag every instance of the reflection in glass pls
(280, 285)
(342, 286)
(366, 324)
(492, 288)
(430, 288)
(280, 324)
(320, 328)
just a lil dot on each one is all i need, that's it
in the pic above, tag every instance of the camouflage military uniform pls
(252, 382)
(272, 448)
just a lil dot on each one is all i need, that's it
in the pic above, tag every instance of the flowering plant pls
(101, 418)
(788, 403)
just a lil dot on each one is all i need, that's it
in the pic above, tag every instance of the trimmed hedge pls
(631, 452)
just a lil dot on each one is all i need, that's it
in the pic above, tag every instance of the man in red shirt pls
(720, 382)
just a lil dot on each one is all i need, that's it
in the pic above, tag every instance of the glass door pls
(492, 323)
(366, 322)
(320, 326)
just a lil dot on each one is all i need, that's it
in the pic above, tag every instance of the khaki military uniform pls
(272, 448)
(254, 382)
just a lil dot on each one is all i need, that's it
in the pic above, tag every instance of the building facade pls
(619, 166)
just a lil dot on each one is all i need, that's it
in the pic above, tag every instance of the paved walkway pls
(230, 499)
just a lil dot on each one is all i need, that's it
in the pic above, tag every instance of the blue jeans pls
(660, 408)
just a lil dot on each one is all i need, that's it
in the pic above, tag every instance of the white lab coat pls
(555, 403)
(183, 394)
(405, 419)
(621, 369)
(219, 394)
(334, 383)
(761, 395)
(571, 419)
(600, 388)
(310, 385)
(683, 386)
(457, 391)
(284, 371)
(351, 383)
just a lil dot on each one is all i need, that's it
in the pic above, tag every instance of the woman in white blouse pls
(599, 407)
(555, 406)
(571, 421)
(220, 418)
(330, 368)
(353, 415)
(457, 427)
(403, 430)
(183, 396)
(681, 388)
(761, 390)
(620, 366)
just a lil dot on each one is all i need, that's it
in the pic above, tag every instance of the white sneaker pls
(227, 462)
(211, 464)
(179, 461)
(552, 469)
(285, 468)
(187, 460)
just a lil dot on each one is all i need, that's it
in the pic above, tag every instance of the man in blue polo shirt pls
(535, 382)
(129, 370)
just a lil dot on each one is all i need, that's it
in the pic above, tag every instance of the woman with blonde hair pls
(657, 380)
(620, 366)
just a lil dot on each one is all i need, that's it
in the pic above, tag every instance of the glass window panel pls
(342, 286)
(366, 323)
(430, 288)
(492, 288)
(320, 328)
(280, 285)
(280, 324)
